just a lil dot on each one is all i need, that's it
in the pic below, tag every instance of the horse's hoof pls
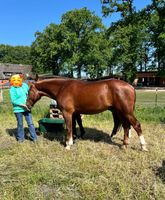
(111, 142)
(67, 147)
(124, 147)
(81, 136)
(74, 137)
(144, 148)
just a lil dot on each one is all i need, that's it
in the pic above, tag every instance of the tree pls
(65, 48)
(82, 27)
(128, 36)
(142, 38)
(123, 35)
(98, 55)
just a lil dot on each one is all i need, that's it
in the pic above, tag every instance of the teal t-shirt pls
(18, 95)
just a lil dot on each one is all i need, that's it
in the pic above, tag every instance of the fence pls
(150, 97)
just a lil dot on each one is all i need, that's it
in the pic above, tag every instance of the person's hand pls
(25, 106)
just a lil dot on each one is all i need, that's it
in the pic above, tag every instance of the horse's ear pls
(36, 78)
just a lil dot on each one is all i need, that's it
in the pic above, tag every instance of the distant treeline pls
(15, 54)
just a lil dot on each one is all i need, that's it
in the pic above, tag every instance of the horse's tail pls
(119, 127)
(134, 99)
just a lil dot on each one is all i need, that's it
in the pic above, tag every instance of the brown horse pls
(75, 97)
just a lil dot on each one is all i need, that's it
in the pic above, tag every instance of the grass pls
(92, 169)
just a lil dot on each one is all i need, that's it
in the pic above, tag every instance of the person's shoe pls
(35, 141)
(20, 141)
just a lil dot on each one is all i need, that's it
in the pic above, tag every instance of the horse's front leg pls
(69, 135)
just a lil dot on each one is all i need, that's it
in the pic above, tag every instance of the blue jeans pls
(20, 129)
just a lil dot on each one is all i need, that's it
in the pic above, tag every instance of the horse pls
(75, 97)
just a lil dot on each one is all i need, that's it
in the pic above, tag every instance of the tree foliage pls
(15, 55)
(157, 32)
(138, 37)
(126, 35)
(46, 50)
(76, 45)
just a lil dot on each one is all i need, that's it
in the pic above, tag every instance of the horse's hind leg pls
(126, 127)
(137, 126)
(117, 123)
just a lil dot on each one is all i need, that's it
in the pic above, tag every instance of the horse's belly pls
(90, 109)
(91, 112)
(94, 105)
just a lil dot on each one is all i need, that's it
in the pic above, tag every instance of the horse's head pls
(33, 96)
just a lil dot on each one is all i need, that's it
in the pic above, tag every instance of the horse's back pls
(112, 87)
(100, 95)
(120, 94)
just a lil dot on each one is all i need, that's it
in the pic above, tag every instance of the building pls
(6, 70)
(151, 79)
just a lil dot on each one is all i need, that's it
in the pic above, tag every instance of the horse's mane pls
(42, 77)
(100, 78)
(69, 78)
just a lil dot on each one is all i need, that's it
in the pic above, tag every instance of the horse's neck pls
(50, 88)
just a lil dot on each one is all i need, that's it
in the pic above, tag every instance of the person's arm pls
(25, 106)
(26, 89)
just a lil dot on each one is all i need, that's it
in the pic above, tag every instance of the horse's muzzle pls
(29, 106)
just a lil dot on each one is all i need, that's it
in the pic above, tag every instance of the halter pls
(30, 101)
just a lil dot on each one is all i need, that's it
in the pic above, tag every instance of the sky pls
(20, 19)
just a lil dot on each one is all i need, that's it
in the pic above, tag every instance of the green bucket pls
(51, 124)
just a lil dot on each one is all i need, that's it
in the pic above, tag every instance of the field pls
(93, 168)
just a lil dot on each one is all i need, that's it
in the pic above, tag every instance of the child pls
(18, 95)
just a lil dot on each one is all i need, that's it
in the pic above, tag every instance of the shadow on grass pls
(60, 134)
(160, 172)
(90, 134)
(13, 132)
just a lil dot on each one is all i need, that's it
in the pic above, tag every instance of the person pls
(18, 95)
